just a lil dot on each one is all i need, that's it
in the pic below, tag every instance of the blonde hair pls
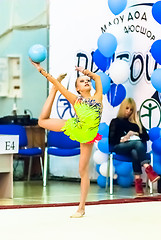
(134, 118)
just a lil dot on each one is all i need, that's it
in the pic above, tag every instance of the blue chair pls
(59, 144)
(114, 156)
(24, 151)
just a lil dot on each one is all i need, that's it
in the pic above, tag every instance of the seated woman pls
(128, 137)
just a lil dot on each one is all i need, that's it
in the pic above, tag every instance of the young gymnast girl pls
(82, 128)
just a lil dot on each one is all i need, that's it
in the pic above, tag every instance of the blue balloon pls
(106, 81)
(101, 181)
(116, 94)
(107, 44)
(157, 167)
(156, 158)
(103, 145)
(156, 79)
(155, 51)
(101, 62)
(103, 129)
(37, 53)
(154, 133)
(124, 169)
(117, 6)
(98, 168)
(156, 11)
(125, 181)
(156, 146)
(116, 163)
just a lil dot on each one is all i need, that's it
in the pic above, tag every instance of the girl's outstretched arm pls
(67, 94)
(96, 78)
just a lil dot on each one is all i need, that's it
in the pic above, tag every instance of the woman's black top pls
(119, 127)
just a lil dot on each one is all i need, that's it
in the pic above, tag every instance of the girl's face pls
(128, 111)
(83, 84)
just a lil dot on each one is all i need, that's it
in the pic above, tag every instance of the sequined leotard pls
(84, 127)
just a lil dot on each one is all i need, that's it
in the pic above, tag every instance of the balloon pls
(103, 169)
(101, 62)
(105, 79)
(119, 71)
(156, 79)
(154, 133)
(156, 146)
(117, 6)
(37, 53)
(157, 167)
(156, 11)
(155, 51)
(156, 158)
(124, 169)
(116, 94)
(107, 44)
(103, 145)
(99, 157)
(98, 168)
(103, 129)
(101, 181)
(125, 181)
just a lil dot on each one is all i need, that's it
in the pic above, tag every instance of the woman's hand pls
(132, 133)
(124, 139)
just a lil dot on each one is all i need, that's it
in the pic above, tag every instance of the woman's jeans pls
(136, 150)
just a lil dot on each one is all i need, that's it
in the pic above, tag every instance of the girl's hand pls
(80, 69)
(36, 65)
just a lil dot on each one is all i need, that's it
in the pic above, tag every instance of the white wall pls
(75, 27)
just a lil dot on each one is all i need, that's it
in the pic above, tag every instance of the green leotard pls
(84, 127)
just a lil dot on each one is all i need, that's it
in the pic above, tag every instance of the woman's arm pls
(67, 94)
(97, 79)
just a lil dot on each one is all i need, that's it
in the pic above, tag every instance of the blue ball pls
(117, 6)
(156, 79)
(156, 11)
(107, 44)
(101, 181)
(37, 53)
(154, 133)
(125, 181)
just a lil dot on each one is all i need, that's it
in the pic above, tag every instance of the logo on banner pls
(64, 108)
(150, 113)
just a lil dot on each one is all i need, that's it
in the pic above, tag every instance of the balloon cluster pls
(118, 70)
(155, 137)
(156, 49)
(124, 172)
(100, 156)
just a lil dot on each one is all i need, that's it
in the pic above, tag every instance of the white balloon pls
(119, 71)
(103, 169)
(99, 157)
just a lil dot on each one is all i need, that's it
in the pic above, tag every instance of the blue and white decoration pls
(122, 44)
